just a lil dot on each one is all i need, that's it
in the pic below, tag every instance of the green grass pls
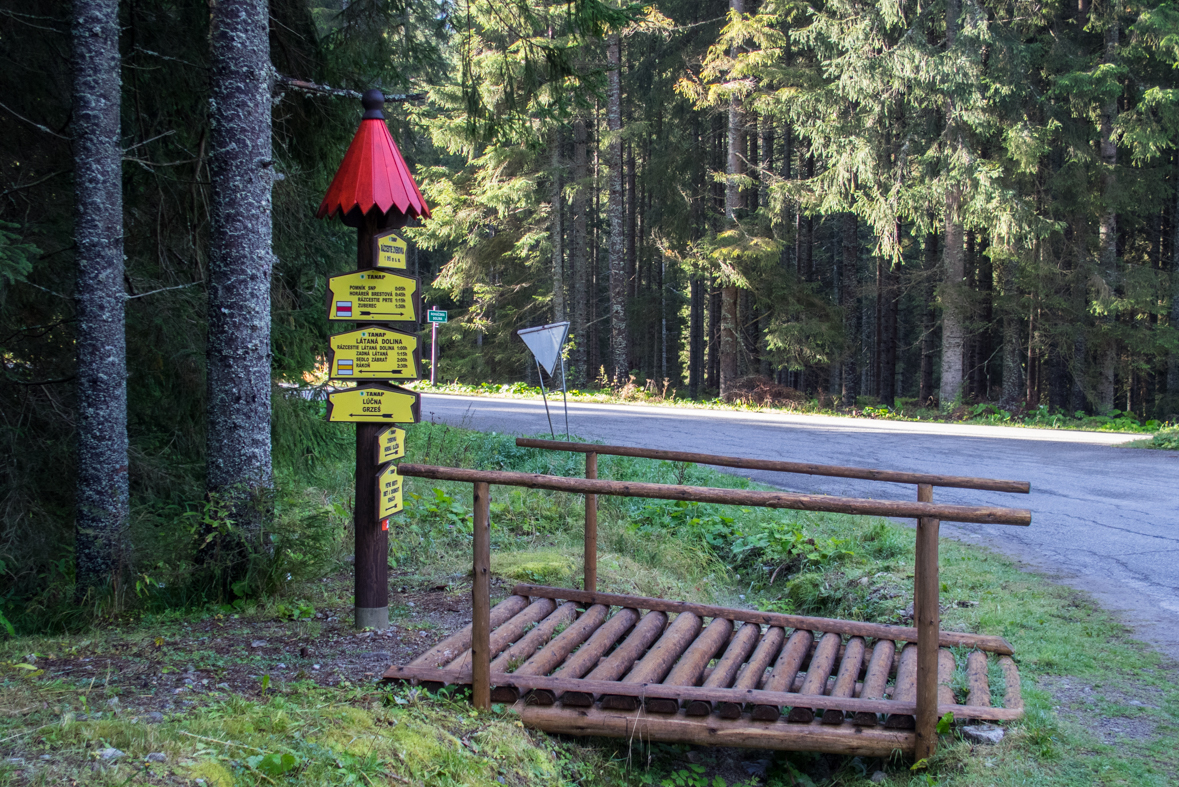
(1083, 675)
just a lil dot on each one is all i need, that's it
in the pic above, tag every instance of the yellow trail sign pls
(388, 492)
(390, 444)
(374, 404)
(374, 354)
(390, 251)
(373, 296)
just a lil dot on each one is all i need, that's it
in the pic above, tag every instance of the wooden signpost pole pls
(374, 192)
(372, 534)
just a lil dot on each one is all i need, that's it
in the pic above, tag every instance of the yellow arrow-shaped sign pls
(388, 492)
(390, 444)
(373, 296)
(374, 404)
(374, 354)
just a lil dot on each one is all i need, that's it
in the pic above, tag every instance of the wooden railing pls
(927, 513)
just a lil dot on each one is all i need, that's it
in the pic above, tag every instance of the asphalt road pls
(1104, 518)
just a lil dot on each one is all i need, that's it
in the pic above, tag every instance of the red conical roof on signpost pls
(373, 174)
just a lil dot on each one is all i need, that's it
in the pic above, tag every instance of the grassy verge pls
(1165, 440)
(984, 413)
(283, 692)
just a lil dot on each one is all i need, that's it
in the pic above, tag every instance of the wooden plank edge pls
(657, 690)
(712, 731)
(987, 642)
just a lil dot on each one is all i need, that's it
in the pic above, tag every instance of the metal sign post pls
(546, 342)
(434, 316)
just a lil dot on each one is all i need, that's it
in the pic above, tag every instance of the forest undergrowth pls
(276, 689)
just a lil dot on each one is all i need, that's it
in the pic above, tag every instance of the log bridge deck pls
(588, 663)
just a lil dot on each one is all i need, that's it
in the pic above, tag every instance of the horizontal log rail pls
(851, 628)
(867, 474)
(689, 693)
(739, 497)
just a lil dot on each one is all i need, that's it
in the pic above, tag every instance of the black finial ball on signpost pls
(373, 102)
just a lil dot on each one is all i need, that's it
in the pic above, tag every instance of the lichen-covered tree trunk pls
(953, 302)
(556, 230)
(952, 298)
(617, 245)
(240, 263)
(102, 489)
(928, 323)
(579, 269)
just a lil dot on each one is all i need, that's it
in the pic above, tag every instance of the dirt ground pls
(187, 662)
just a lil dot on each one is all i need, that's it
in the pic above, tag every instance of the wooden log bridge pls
(588, 663)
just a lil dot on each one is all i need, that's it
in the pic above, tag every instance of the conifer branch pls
(339, 92)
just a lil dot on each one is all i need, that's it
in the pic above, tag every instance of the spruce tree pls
(102, 491)
(242, 169)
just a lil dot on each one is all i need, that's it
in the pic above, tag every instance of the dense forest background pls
(950, 202)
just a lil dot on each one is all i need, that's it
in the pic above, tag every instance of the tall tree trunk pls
(787, 174)
(888, 342)
(695, 337)
(1108, 230)
(733, 201)
(579, 268)
(633, 275)
(617, 249)
(766, 149)
(1173, 360)
(1012, 366)
(712, 380)
(728, 339)
(240, 263)
(556, 230)
(100, 524)
(928, 322)
(985, 340)
(953, 302)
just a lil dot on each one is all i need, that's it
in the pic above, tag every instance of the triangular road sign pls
(546, 341)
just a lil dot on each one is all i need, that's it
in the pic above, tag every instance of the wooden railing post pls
(481, 600)
(591, 527)
(926, 614)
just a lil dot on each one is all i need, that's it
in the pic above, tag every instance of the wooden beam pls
(641, 727)
(961, 482)
(689, 693)
(852, 628)
(481, 601)
(927, 616)
(986, 515)
(591, 527)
